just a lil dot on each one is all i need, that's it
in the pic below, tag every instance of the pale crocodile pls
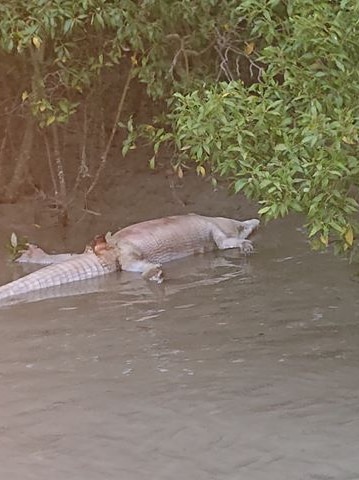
(142, 247)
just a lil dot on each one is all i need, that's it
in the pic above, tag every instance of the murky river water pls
(234, 369)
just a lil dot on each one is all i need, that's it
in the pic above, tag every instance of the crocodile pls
(142, 247)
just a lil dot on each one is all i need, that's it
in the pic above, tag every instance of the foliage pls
(79, 39)
(62, 53)
(16, 246)
(263, 92)
(290, 140)
(49, 38)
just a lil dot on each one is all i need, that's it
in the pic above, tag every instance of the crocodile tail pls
(82, 267)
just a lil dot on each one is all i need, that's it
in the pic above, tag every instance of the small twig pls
(58, 162)
(225, 47)
(175, 195)
(224, 65)
(181, 51)
(185, 52)
(174, 62)
(60, 176)
(83, 168)
(51, 167)
(92, 212)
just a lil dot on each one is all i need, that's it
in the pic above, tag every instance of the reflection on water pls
(234, 368)
(200, 270)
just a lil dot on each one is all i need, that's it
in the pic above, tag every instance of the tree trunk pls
(21, 170)
(20, 174)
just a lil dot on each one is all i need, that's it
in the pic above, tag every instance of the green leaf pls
(240, 184)
(152, 162)
(264, 210)
(68, 25)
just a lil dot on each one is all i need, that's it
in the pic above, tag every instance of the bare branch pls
(230, 53)
(113, 132)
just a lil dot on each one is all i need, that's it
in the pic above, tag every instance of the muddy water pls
(234, 369)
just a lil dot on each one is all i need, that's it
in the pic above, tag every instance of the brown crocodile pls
(142, 247)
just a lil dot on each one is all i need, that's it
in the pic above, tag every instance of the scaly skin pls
(142, 247)
(81, 267)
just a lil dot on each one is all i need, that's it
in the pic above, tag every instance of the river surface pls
(236, 368)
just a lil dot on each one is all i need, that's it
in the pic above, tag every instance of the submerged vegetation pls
(261, 92)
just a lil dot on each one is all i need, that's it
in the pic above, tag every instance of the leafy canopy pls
(263, 92)
(290, 140)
